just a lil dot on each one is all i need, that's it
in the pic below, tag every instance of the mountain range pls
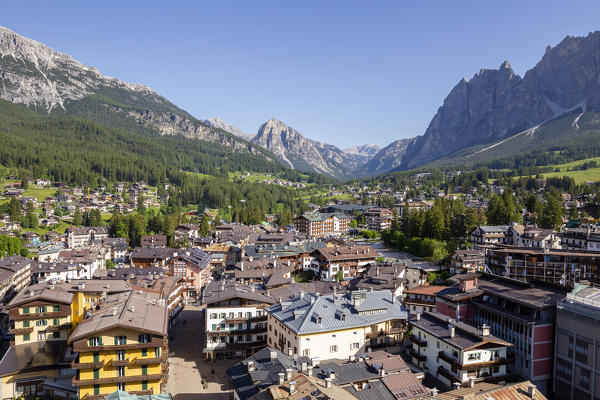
(494, 114)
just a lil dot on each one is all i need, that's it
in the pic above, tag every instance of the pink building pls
(193, 266)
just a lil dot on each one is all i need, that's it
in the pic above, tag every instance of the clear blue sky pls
(342, 72)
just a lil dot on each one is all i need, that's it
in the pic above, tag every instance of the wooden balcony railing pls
(90, 365)
(417, 341)
(419, 357)
(117, 379)
(82, 346)
(472, 366)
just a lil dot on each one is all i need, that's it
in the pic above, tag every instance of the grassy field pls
(39, 193)
(591, 174)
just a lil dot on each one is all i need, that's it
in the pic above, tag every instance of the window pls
(144, 385)
(438, 344)
(354, 346)
(41, 309)
(120, 355)
(144, 370)
(96, 389)
(213, 315)
(25, 324)
(240, 326)
(56, 335)
(56, 308)
(144, 338)
(56, 321)
(474, 356)
(121, 386)
(306, 352)
(26, 337)
(157, 352)
(41, 322)
(95, 341)
(25, 310)
(333, 349)
(96, 356)
(96, 373)
(144, 352)
(119, 340)
(214, 327)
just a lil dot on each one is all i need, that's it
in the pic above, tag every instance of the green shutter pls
(144, 385)
(25, 310)
(96, 356)
(26, 337)
(91, 342)
(56, 321)
(100, 341)
(25, 324)
(96, 373)
(144, 370)
(56, 308)
(116, 340)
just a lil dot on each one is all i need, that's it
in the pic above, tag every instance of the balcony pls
(234, 332)
(246, 319)
(90, 365)
(21, 331)
(55, 328)
(417, 341)
(117, 363)
(118, 379)
(46, 315)
(236, 346)
(473, 366)
(82, 346)
(103, 396)
(147, 361)
(447, 374)
(417, 356)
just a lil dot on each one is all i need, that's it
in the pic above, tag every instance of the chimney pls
(327, 382)
(331, 374)
(377, 270)
(456, 385)
(485, 330)
(309, 370)
(382, 371)
(418, 316)
(303, 366)
(281, 378)
(531, 390)
(292, 387)
(273, 355)
(288, 373)
(250, 366)
(302, 294)
(451, 330)
(114, 311)
(315, 361)
(471, 382)
(290, 352)
(241, 265)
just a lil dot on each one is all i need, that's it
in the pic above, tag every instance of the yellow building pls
(121, 345)
(40, 313)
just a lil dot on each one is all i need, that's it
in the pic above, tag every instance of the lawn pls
(39, 193)
(591, 174)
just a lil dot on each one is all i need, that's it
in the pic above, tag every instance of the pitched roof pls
(313, 313)
(128, 310)
(425, 289)
(42, 291)
(465, 336)
(405, 385)
(488, 391)
(220, 290)
(343, 253)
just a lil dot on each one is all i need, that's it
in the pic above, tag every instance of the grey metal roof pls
(327, 306)
(465, 336)
(347, 372)
(376, 391)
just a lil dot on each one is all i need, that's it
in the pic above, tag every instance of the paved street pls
(187, 365)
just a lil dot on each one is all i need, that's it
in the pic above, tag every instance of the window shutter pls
(116, 340)
(100, 341)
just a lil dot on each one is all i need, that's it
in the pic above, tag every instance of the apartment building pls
(576, 361)
(456, 353)
(145, 257)
(421, 299)
(466, 261)
(347, 262)
(91, 259)
(381, 276)
(40, 313)
(335, 325)
(316, 224)
(236, 320)
(455, 301)
(15, 274)
(121, 345)
(378, 218)
(523, 314)
(84, 236)
(484, 236)
(561, 267)
(193, 266)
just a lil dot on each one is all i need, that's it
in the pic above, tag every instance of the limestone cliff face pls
(219, 123)
(362, 153)
(301, 153)
(385, 159)
(496, 104)
(37, 76)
